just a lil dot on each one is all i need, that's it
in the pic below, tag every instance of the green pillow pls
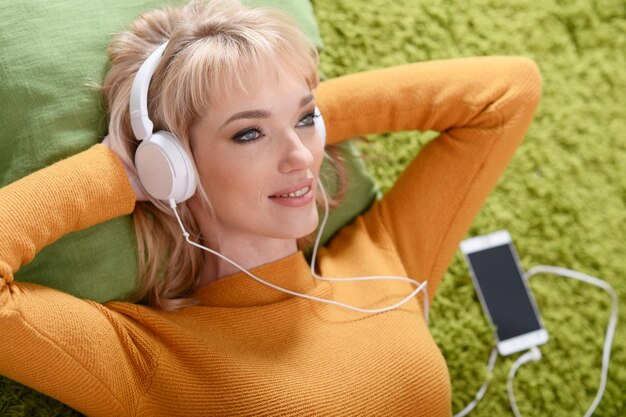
(50, 52)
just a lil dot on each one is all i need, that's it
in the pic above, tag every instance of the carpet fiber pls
(563, 198)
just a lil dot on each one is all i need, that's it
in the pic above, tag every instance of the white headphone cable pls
(610, 330)
(483, 388)
(420, 286)
(534, 354)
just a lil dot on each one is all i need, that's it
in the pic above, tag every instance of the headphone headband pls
(164, 169)
(139, 118)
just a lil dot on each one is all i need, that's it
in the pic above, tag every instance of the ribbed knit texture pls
(77, 195)
(248, 349)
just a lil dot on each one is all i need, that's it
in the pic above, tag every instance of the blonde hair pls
(211, 45)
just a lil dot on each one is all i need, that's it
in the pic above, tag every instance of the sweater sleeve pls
(86, 355)
(73, 194)
(482, 108)
(50, 340)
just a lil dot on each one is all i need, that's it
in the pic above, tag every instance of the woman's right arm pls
(92, 358)
(73, 194)
(77, 351)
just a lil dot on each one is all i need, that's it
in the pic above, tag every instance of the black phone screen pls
(504, 292)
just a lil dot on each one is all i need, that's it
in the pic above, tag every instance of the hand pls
(132, 178)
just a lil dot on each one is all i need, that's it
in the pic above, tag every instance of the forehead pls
(266, 86)
(274, 89)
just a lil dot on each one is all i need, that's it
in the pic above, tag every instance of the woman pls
(214, 341)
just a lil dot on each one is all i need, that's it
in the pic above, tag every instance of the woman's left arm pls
(482, 108)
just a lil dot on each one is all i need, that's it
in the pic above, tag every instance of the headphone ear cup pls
(164, 168)
(320, 126)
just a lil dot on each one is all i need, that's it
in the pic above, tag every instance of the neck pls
(246, 251)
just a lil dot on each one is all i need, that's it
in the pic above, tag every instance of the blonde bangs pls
(221, 60)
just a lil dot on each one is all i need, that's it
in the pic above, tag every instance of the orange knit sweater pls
(249, 349)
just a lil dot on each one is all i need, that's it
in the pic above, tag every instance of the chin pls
(306, 235)
(300, 229)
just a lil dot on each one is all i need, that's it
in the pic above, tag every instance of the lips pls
(297, 190)
(296, 196)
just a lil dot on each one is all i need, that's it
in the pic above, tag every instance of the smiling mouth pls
(297, 193)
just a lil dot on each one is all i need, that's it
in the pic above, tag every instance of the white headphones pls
(167, 173)
(164, 168)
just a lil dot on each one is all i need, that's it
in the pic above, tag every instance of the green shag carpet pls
(563, 198)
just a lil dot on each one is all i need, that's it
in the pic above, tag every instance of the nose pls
(295, 155)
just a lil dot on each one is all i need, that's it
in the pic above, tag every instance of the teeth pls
(298, 193)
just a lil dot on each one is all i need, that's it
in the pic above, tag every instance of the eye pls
(248, 135)
(307, 120)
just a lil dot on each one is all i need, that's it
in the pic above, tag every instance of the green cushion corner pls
(49, 113)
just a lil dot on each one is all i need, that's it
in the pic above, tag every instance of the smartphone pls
(503, 292)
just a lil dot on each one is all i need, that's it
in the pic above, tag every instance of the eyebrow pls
(261, 114)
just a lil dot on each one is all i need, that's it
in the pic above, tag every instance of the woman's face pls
(259, 157)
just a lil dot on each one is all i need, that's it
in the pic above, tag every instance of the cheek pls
(224, 180)
(318, 154)
(233, 180)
